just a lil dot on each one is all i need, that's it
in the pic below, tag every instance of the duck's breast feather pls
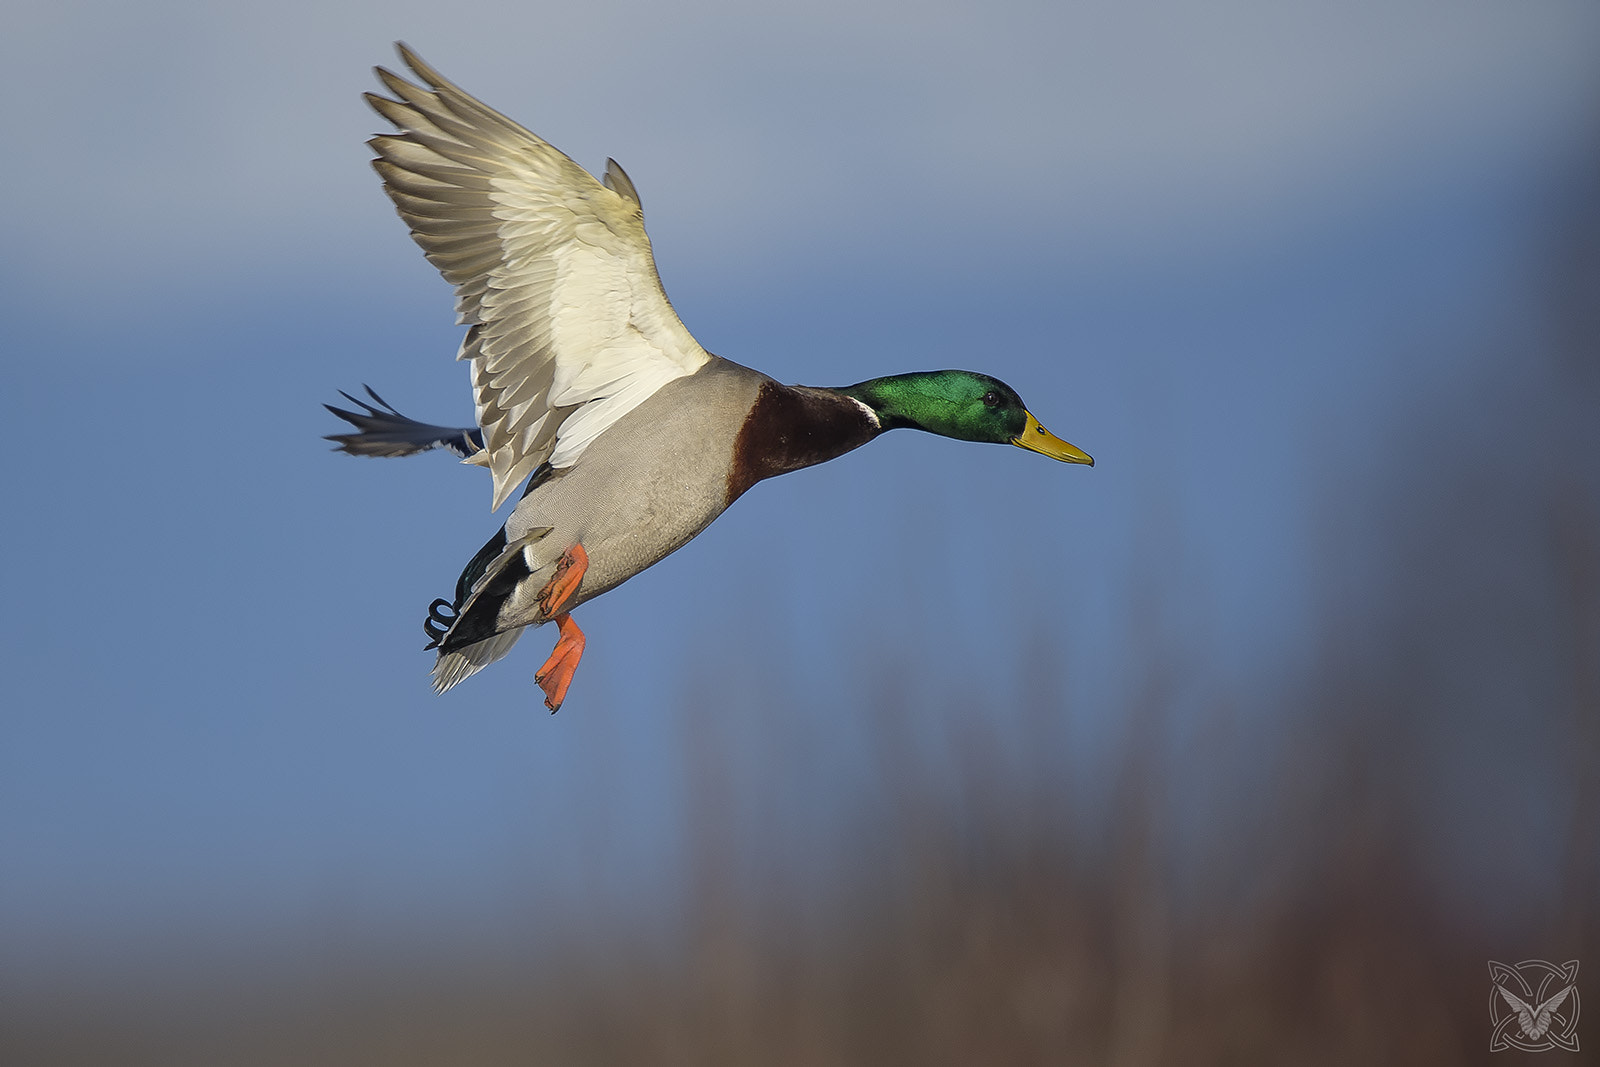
(648, 484)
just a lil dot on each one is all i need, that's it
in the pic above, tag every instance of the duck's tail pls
(467, 632)
(466, 660)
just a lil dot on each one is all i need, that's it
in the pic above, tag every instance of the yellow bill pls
(1036, 438)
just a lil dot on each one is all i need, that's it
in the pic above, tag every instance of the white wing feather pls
(1544, 1012)
(1523, 1009)
(569, 326)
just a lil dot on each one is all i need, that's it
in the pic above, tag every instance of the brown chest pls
(791, 427)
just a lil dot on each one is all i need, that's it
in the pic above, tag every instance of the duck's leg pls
(556, 674)
(559, 589)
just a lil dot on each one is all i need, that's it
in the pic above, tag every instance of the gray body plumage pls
(645, 488)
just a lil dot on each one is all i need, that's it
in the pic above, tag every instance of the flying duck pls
(630, 437)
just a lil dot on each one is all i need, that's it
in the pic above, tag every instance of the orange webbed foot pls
(559, 589)
(556, 674)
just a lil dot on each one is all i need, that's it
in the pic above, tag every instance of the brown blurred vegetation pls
(1304, 907)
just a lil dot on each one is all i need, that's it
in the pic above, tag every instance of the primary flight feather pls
(631, 438)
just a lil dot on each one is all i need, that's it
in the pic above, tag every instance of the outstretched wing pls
(569, 326)
(1542, 1014)
(1523, 1009)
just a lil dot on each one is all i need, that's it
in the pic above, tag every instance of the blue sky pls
(1221, 248)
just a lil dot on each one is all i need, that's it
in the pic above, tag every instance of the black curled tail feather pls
(467, 633)
(444, 614)
(490, 579)
(437, 625)
(479, 618)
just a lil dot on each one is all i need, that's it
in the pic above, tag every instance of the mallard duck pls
(631, 437)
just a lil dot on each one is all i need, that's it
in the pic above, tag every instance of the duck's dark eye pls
(991, 399)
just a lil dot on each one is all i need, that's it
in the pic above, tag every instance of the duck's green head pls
(961, 404)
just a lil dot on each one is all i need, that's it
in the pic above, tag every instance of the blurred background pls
(1255, 743)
